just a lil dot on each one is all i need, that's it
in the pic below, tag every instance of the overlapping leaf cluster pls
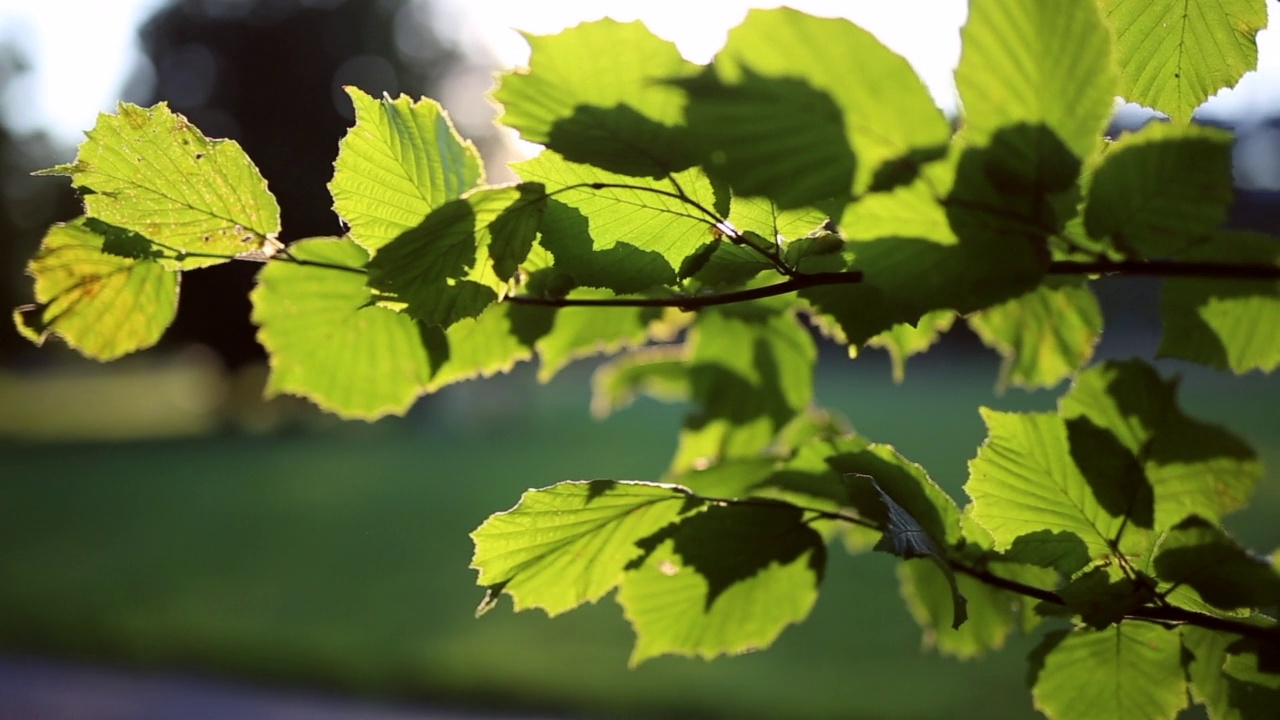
(698, 221)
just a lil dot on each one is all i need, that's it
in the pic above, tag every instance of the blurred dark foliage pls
(269, 74)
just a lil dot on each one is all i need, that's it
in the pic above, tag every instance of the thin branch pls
(1167, 268)
(286, 258)
(695, 302)
(783, 504)
(1164, 614)
(990, 578)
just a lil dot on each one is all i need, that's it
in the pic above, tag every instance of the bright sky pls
(84, 50)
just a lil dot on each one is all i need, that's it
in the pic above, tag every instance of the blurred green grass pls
(339, 558)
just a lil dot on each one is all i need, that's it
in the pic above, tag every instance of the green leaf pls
(660, 372)
(800, 109)
(595, 94)
(993, 613)
(483, 346)
(150, 171)
(1254, 692)
(911, 211)
(1043, 336)
(764, 218)
(459, 259)
(1125, 410)
(1037, 86)
(1161, 188)
(579, 332)
(627, 238)
(725, 581)
(1209, 685)
(102, 303)
(751, 373)
(906, 278)
(1103, 596)
(807, 476)
(400, 161)
(1024, 482)
(906, 339)
(1217, 322)
(1130, 671)
(329, 342)
(1174, 55)
(732, 266)
(570, 543)
(1203, 558)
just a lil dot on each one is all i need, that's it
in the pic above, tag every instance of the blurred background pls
(171, 545)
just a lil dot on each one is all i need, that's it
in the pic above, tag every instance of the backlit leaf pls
(491, 343)
(1043, 336)
(764, 218)
(401, 160)
(1208, 684)
(1159, 189)
(1103, 596)
(993, 613)
(906, 278)
(1024, 481)
(1174, 55)
(1130, 671)
(1205, 559)
(570, 543)
(907, 339)
(660, 372)
(751, 372)
(1192, 468)
(1037, 86)
(595, 94)
(801, 109)
(626, 239)
(328, 341)
(1253, 689)
(103, 304)
(725, 581)
(579, 332)
(151, 171)
(1220, 322)
(459, 259)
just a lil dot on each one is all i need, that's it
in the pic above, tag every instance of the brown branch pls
(1174, 615)
(1167, 268)
(695, 302)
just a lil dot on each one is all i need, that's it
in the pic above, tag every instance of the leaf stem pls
(783, 504)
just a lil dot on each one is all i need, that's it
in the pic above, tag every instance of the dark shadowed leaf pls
(459, 259)
(1160, 189)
